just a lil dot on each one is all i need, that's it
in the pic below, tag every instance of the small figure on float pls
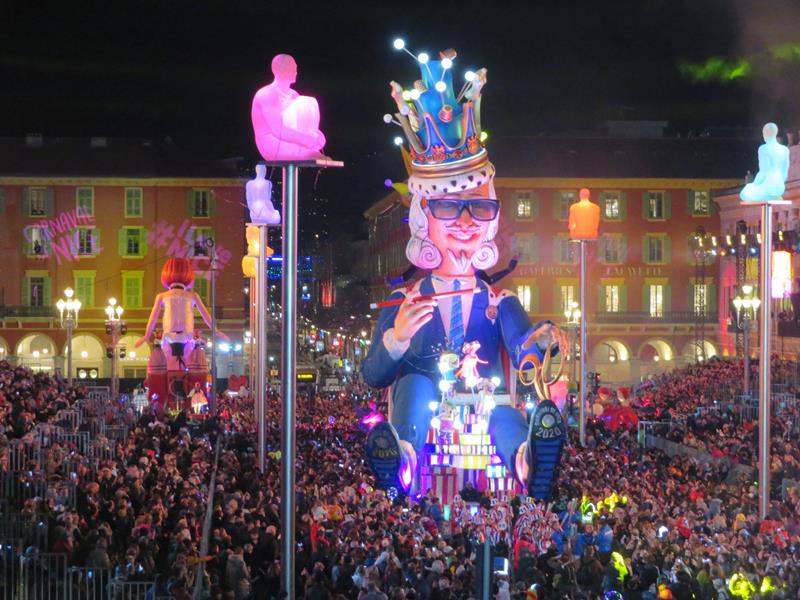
(773, 169)
(454, 218)
(286, 124)
(178, 304)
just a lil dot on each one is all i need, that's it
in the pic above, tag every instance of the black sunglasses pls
(481, 209)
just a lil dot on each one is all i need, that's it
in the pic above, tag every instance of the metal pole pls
(486, 581)
(262, 369)
(584, 349)
(70, 325)
(288, 374)
(114, 365)
(764, 386)
(746, 347)
(213, 399)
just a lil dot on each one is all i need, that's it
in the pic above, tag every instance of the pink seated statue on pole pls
(286, 124)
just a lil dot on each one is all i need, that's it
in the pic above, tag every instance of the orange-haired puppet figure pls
(178, 303)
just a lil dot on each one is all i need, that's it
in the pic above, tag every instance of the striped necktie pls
(456, 321)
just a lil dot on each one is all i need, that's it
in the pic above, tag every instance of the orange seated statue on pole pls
(178, 340)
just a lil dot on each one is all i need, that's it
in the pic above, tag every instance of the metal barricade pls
(102, 450)
(45, 434)
(649, 429)
(42, 576)
(87, 583)
(129, 590)
(22, 453)
(71, 418)
(29, 529)
(10, 554)
(117, 433)
(18, 486)
(79, 441)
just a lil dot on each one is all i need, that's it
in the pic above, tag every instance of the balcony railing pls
(787, 328)
(11, 312)
(684, 316)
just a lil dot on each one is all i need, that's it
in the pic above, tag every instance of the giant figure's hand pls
(223, 336)
(140, 341)
(412, 316)
(545, 335)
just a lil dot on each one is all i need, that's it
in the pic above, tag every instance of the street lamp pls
(746, 304)
(115, 327)
(68, 314)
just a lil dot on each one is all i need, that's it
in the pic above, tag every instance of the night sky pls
(188, 69)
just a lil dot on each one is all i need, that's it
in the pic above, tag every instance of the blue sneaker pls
(547, 434)
(385, 458)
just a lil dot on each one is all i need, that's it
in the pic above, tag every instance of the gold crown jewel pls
(443, 129)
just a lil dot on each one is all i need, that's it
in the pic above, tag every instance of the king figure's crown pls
(443, 129)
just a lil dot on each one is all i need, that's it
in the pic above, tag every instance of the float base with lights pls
(766, 191)
(450, 345)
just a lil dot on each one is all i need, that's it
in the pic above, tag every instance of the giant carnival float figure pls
(450, 322)
(177, 363)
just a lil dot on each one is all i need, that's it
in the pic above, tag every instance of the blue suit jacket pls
(508, 330)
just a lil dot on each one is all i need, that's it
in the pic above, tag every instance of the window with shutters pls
(565, 251)
(201, 240)
(133, 202)
(656, 307)
(86, 241)
(526, 202)
(37, 202)
(611, 206)
(701, 203)
(566, 296)
(133, 240)
(524, 296)
(563, 201)
(84, 201)
(200, 203)
(132, 289)
(36, 287)
(612, 295)
(700, 299)
(611, 249)
(35, 241)
(526, 247)
(655, 202)
(84, 287)
(203, 289)
(656, 248)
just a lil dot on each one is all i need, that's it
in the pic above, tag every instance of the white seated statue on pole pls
(258, 192)
(286, 124)
(773, 169)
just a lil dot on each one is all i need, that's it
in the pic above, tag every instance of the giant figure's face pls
(462, 235)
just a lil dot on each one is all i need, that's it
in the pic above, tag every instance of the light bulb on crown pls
(444, 386)
(471, 382)
(399, 44)
(423, 58)
(436, 422)
(433, 405)
(446, 63)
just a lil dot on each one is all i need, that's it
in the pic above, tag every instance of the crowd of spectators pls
(703, 403)
(624, 517)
